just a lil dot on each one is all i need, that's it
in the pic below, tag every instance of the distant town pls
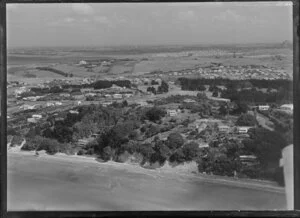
(231, 120)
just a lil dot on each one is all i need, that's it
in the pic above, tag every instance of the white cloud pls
(85, 20)
(82, 8)
(69, 20)
(101, 19)
(11, 7)
(186, 15)
(229, 16)
(62, 22)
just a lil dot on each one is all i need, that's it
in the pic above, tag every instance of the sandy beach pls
(62, 182)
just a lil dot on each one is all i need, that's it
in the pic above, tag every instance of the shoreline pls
(166, 170)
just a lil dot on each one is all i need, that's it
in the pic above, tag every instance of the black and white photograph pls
(144, 106)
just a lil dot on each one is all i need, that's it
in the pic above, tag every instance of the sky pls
(108, 24)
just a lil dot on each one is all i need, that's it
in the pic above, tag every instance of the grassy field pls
(121, 67)
(165, 64)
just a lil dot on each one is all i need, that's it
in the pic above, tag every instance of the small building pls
(32, 120)
(224, 128)
(248, 159)
(107, 96)
(79, 103)
(82, 142)
(172, 113)
(64, 95)
(128, 95)
(49, 104)
(263, 107)
(57, 103)
(37, 116)
(189, 100)
(117, 96)
(82, 62)
(27, 107)
(203, 145)
(107, 103)
(288, 107)
(78, 97)
(73, 112)
(86, 90)
(243, 129)
(95, 135)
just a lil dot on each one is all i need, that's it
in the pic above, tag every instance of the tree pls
(223, 110)
(124, 103)
(178, 156)
(265, 144)
(164, 87)
(155, 114)
(146, 150)
(215, 94)
(190, 150)
(162, 152)
(201, 88)
(174, 141)
(246, 120)
(153, 82)
(151, 89)
(201, 95)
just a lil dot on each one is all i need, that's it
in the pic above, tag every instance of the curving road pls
(60, 183)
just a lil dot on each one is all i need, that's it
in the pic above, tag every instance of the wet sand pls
(61, 183)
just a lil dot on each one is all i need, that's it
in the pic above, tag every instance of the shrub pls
(81, 152)
(178, 156)
(16, 140)
(32, 143)
(146, 150)
(190, 150)
(246, 120)
(174, 141)
(155, 114)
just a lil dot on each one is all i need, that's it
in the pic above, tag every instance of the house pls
(263, 107)
(189, 100)
(57, 103)
(128, 95)
(27, 107)
(248, 159)
(107, 96)
(73, 112)
(243, 129)
(287, 107)
(32, 120)
(172, 113)
(106, 103)
(49, 104)
(224, 128)
(58, 119)
(95, 135)
(199, 126)
(90, 94)
(220, 99)
(37, 116)
(86, 90)
(64, 95)
(117, 96)
(203, 145)
(79, 103)
(78, 97)
(82, 142)
(82, 62)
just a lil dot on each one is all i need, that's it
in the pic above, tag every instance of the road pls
(61, 183)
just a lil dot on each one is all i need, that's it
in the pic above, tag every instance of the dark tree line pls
(55, 71)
